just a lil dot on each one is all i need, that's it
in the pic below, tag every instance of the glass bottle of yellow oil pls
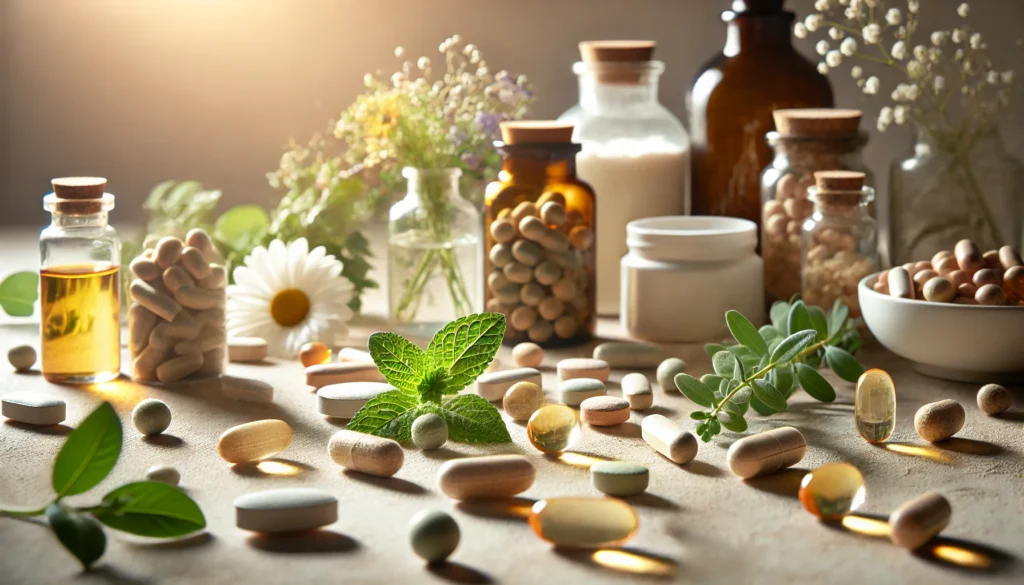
(79, 284)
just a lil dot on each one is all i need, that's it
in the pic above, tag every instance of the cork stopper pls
(817, 122)
(617, 51)
(839, 180)
(536, 131)
(79, 187)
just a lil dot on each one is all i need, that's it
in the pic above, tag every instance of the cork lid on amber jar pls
(817, 121)
(536, 132)
(79, 196)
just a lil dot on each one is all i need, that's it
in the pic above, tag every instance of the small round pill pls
(531, 294)
(938, 421)
(151, 416)
(940, 255)
(522, 400)
(503, 230)
(581, 237)
(619, 478)
(22, 357)
(429, 431)
(1008, 257)
(604, 411)
(433, 535)
(947, 265)
(517, 272)
(566, 326)
(924, 276)
(988, 276)
(553, 213)
(994, 399)
(527, 355)
(313, 353)
(164, 474)
(500, 255)
(527, 253)
(523, 317)
(540, 331)
(990, 294)
(939, 290)
(547, 273)
(551, 308)
(667, 372)
(958, 277)
(564, 289)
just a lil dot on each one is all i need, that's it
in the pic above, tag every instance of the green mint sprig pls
(145, 508)
(767, 365)
(429, 382)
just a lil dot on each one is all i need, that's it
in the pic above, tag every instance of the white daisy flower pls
(289, 296)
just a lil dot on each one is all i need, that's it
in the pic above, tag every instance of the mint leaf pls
(434, 385)
(471, 419)
(18, 293)
(401, 363)
(89, 452)
(695, 390)
(378, 416)
(745, 333)
(80, 534)
(150, 508)
(734, 422)
(465, 347)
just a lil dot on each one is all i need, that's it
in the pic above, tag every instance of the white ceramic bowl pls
(967, 343)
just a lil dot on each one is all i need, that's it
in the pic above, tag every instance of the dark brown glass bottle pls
(731, 103)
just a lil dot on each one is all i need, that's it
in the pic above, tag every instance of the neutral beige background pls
(145, 90)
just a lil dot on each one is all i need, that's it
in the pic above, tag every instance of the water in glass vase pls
(432, 283)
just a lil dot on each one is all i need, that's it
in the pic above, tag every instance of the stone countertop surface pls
(698, 523)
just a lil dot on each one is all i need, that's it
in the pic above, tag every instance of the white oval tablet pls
(492, 386)
(247, 349)
(285, 510)
(33, 408)
(624, 354)
(322, 375)
(344, 400)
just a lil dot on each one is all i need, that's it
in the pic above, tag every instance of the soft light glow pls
(917, 451)
(629, 561)
(278, 467)
(961, 556)
(120, 392)
(579, 459)
(866, 526)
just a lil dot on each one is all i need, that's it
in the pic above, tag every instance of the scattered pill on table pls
(164, 474)
(994, 399)
(433, 535)
(636, 388)
(669, 438)
(246, 389)
(874, 406)
(574, 391)
(584, 522)
(619, 478)
(247, 349)
(628, 355)
(351, 354)
(486, 477)
(939, 290)
(285, 510)
(151, 416)
(522, 400)
(254, 441)
(919, 520)
(344, 400)
(366, 453)
(33, 408)
(429, 431)
(322, 375)
(766, 452)
(314, 353)
(527, 354)
(832, 491)
(604, 411)
(493, 386)
(938, 421)
(667, 371)
(553, 428)
(22, 357)
(571, 368)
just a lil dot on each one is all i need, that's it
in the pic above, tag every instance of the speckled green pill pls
(151, 416)
(433, 535)
(619, 478)
(429, 431)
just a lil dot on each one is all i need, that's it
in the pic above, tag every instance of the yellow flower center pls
(289, 307)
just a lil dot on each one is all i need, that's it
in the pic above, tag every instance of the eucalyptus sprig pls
(767, 365)
(429, 381)
(145, 508)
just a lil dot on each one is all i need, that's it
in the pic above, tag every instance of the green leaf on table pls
(778, 315)
(80, 534)
(769, 333)
(712, 381)
(734, 422)
(769, 395)
(783, 379)
(242, 226)
(18, 293)
(699, 415)
(471, 419)
(819, 322)
(89, 452)
(382, 415)
(465, 347)
(843, 364)
(150, 508)
(744, 332)
(724, 364)
(799, 319)
(695, 390)
(791, 346)
(712, 348)
(837, 317)
(814, 384)
(760, 407)
(401, 363)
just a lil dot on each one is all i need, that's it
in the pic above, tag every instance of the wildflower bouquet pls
(949, 90)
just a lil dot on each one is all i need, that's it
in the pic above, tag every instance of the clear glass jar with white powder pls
(636, 154)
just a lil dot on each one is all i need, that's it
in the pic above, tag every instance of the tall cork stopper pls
(618, 62)
(824, 122)
(78, 196)
(839, 188)
(536, 132)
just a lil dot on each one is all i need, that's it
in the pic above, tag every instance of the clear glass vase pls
(951, 188)
(435, 253)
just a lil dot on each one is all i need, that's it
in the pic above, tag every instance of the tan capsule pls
(503, 230)
(500, 255)
(772, 207)
(522, 211)
(216, 279)
(193, 260)
(213, 317)
(540, 331)
(178, 368)
(924, 276)
(531, 294)
(988, 276)
(213, 362)
(145, 364)
(967, 290)
(487, 477)
(940, 255)
(322, 375)
(1008, 257)
(193, 297)
(143, 293)
(167, 251)
(198, 238)
(508, 294)
(527, 355)
(990, 259)
(938, 290)
(604, 411)
(566, 326)
(947, 265)
(776, 225)
(553, 213)
(668, 438)
(517, 272)
(184, 326)
(534, 228)
(497, 280)
(523, 317)
(766, 452)
(958, 277)
(547, 273)
(990, 294)
(919, 520)
(564, 289)
(572, 368)
(551, 308)
(527, 253)
(1013, 280)
(175, 278)
(145, 268)
(160, 337)
(209, 340)
(938, 421)
(366, 453)
(522, 400)
(968, 257)
(900, 283)
(581, 237)
(247, 349)
(553, 196)
(141, 322)
(254, 441)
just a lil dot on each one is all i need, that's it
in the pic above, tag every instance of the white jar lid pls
(691, 238)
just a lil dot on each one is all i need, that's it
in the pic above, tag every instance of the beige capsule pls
(540, 331)
(322, 375)
(247, 349)
(486, 477)
(990, 259)
(527, 355)
(503, 230)
(195, 262)
(534, 228)
(967, 290)
(958, 277)
(157, 302)
(193, 297)
(254, 441)
(531, 294)
(213, 362)
(988, 276)
(571, 368)
(145, 268)
(216, 279)
(1008, 257)
(141, 322)
(938, 289)
(919, 520)
(669, 438)
(581, 237)
(990, 294)
(517, 272)
(167, 251)
(968, 256)
(522, 211)
(145, 364)
(636, 388)
(900, 283)
(180, 367)
(553, 213)
(566, 326)
(184, 326)
(522, 400)
(773, 207)
(523, 317)
(547, 273)
(508, 294)
(564, 289)
(766, 452)
(160, 337)
(500, 255)
(553, 196)
(497, 280)
(938, 421)
(527, 253)
(214, 316)
(208, 340)
(924, 276)
(940, 255)
(551, 308)
(198, 238)
(366, 453)
(175, 278)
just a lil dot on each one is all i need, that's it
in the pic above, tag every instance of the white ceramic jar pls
(682, 273)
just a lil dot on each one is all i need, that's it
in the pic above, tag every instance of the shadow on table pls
(783, 483)
(191, 541)
(509, 508)
(649, 500)
(969, 446)
(396, 484)
(57, 429)
(111, 574)
(702, 468)
(309, 541)
(634, 561)
(459, 573)
(164, 440)
(273, 467)
(626, 430)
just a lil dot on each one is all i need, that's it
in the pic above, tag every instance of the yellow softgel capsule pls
(832, 491)
(314, 353)
(874, 410)
(584, 522)
(554, 428)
